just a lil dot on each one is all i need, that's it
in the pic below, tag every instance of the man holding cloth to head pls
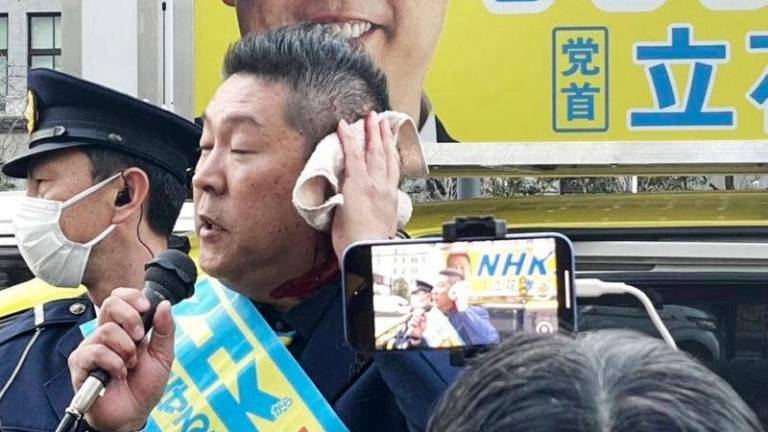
(106, 177)
(473, 323)
(283, 92)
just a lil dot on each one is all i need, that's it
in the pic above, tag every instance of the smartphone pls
(431, 294)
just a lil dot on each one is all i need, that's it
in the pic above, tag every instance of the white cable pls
(598, 288)
(20, 363)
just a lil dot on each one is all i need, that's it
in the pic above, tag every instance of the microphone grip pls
(153, 291)
(170, 276)
(101, 375)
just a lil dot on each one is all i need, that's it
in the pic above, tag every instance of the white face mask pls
(47, 251)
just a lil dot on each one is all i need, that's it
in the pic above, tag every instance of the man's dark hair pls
(329, 79)
(452, 274)
(601, 381)
(166, 192)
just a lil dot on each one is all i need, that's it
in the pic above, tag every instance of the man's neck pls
(425, 109)
(258, 287)
(284, 287)
(417, 107)
(123, 267)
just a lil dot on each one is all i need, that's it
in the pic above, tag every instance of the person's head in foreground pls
(606, 381)
(401, 35)
(283, 92)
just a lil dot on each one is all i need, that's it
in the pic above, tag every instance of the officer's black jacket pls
(41, 391)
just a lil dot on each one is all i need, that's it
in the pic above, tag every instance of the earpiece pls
(123, 197)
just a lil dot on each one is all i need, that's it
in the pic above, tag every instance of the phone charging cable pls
(592, 288)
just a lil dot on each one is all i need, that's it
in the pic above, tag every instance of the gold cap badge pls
(31, 112)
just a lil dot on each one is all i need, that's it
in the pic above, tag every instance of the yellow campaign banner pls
(500, 271)
(577, 70)
(510, 272)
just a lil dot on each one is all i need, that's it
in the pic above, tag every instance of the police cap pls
(422, 285)
(66, 112)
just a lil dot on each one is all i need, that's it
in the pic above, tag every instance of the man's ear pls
(129, 200)
(229, 2)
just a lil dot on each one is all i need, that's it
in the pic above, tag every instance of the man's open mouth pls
(208, 224)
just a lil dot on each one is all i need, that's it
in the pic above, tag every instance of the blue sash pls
(233, 373)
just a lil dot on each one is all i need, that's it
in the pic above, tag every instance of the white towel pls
(316, 193)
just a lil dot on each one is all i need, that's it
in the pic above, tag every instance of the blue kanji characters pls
(671, 112)
(580, 79)
(580, 52)
(581, 101)
(758, 94)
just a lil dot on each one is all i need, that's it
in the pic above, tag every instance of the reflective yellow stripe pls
(31, 293)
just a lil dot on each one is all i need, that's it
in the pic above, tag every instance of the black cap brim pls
(17, 167)
(65, 111)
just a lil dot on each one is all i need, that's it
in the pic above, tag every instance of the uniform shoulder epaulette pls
(57, 312)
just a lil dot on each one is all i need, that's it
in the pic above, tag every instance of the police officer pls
(412, 331)
(106, 179)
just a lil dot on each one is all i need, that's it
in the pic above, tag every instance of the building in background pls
(142, 48)
(30, 36)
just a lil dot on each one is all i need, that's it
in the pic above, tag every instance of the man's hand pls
(461, 289)
(369, 186)
(416, 325)
(139, 368)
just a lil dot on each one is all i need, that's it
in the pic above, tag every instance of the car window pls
(719, 318)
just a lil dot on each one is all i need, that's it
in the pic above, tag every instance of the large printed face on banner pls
(400, 34)
(549, 70)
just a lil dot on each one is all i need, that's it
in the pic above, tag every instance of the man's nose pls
(210, 173)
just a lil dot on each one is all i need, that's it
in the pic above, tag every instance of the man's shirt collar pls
(304, 317)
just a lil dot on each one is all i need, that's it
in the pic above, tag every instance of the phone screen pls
(433, 295)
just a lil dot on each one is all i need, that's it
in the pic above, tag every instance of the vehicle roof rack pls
(608, 158)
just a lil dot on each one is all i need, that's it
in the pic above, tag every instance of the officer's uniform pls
(33, 364)
(64, 112)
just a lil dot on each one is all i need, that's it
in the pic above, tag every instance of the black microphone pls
(170, 276)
